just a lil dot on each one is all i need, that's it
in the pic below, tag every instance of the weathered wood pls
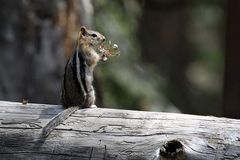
(115, 134)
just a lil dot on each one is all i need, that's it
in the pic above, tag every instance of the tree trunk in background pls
(162, 34)
(34, 37)
(232, 70)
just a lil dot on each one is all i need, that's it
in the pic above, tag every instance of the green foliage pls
(205, 70)
(126, 82)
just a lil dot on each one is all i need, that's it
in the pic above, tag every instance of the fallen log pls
(102, 133)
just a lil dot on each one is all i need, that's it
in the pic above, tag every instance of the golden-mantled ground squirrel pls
(77, 88)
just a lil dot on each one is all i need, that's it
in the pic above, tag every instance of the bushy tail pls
(55, 121)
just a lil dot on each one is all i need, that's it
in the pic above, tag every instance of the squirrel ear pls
(83, 30)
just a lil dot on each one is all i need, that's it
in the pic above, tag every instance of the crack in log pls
(197, 150)
(91, 154)
(105, 152)
(43, 153)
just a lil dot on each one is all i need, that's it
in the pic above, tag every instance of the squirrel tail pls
(57, 120)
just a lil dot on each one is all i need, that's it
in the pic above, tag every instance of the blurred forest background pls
(176, 55)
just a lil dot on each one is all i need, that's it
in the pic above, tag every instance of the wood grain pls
(115, 134)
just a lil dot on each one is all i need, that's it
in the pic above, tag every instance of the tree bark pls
(115, 134)
(162, 34)
(36, 39)
(232, 69)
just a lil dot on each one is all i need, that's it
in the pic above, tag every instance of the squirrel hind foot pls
(93, 106)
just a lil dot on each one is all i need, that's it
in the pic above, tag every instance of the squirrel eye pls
(94, 35)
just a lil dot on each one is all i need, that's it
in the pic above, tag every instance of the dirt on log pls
(92, 134)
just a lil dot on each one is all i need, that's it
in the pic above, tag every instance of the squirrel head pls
(90, 37)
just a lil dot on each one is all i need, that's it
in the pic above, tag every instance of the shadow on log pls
(115, 134)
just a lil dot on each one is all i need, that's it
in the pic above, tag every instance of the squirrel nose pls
(103, 39)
